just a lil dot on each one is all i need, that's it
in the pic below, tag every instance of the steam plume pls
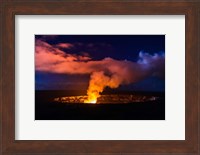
(103, 73)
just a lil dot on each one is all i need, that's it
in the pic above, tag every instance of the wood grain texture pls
(10, 8)
(198, 79)
(1, 49)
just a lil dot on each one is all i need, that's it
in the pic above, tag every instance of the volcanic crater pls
(105, 99)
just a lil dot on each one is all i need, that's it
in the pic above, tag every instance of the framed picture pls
(100, 77)
(71, 70)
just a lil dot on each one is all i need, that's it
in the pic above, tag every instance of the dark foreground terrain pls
(47, 109)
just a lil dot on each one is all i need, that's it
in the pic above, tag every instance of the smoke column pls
(103, 73)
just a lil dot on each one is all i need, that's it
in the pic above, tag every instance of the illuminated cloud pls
(107, 72)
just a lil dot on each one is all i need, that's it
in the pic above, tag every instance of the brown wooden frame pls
(10, 8)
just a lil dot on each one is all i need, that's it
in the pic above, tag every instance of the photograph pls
(99, 77)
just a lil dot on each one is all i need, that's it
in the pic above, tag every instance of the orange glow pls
(92, 97)
(98, 81)
(90, 101)
(94, 101)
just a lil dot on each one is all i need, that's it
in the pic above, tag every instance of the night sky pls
(98, 47)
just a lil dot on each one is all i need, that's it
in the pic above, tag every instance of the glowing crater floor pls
(111, 99)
